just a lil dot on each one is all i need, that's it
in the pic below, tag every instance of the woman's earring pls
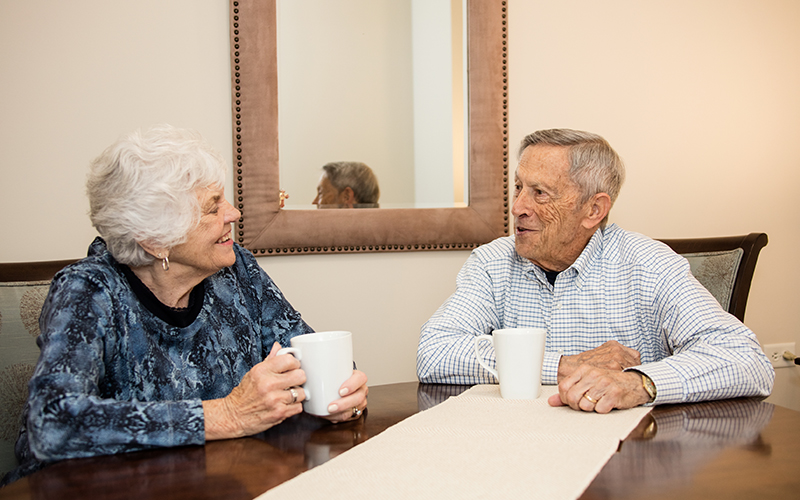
(165, 263)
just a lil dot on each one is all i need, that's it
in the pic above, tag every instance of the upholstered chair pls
(23, 288)
(724, 265)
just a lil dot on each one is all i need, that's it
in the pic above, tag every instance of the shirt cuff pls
(550, 368)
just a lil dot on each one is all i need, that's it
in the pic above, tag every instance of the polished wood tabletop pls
(741, 448)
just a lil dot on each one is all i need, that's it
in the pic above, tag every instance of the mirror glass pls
(382, 82)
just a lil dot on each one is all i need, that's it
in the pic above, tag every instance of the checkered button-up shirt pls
(624, 287)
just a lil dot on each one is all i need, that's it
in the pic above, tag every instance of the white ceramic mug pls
(519, 353)
(327, 359)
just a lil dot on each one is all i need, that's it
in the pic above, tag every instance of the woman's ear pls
(155, 251)
(597, 210)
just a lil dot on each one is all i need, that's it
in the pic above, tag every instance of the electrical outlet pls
(775, 354)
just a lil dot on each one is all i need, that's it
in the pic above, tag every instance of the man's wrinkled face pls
(547, 217)
(327, 195)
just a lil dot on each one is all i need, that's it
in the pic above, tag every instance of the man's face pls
(547, 219)
(327, 195)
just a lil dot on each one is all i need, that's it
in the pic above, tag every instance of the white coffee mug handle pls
(297, 353)
(478, 354)
(294, 351)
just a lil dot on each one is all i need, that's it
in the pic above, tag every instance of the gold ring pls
(589, 398)
(294, 395)
(356, 412)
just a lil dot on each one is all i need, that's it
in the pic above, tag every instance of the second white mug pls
(327, 359)
(519, 353)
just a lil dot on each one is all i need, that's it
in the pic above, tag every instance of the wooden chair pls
(23, 288)
(724, 265)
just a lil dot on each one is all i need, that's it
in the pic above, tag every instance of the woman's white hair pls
(143, 188)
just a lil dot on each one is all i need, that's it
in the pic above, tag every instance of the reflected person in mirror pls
(627, 323)
(347, 184)
(167, 333)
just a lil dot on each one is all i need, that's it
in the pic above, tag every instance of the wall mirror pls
(271, 226)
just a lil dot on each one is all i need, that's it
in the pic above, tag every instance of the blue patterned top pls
(624, 287)
(113, 378)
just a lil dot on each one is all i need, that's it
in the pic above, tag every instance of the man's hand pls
(589, 388)
(611, 356)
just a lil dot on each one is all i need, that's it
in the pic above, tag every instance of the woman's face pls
(209, 246)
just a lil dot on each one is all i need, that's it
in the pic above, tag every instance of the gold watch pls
(649, 386)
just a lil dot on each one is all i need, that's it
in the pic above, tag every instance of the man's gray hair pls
(144, 188)
(593, 164)
(358, 177)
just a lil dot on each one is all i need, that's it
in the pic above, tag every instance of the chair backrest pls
(23, 288)
(724, 265)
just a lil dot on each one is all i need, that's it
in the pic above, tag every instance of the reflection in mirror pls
(381, 82)
(347, 184)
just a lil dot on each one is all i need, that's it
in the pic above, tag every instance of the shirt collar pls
(591, 254)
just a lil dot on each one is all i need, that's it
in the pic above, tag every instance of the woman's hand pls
(261, 400)
(353, 401)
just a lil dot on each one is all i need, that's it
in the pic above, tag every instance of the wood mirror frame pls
(266, 229)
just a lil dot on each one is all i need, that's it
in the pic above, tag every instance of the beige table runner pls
(475, 445)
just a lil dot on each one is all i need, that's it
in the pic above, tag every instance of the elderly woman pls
(167, 333)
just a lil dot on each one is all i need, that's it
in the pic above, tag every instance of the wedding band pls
(294, 395)
(589, 398)
(356, 412)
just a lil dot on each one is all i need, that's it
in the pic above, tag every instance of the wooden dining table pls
(738, 448)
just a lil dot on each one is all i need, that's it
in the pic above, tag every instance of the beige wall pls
(699, 97)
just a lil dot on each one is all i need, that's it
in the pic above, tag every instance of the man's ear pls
(347, 197)
(597, 209)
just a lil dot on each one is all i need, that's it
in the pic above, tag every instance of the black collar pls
(175, 316)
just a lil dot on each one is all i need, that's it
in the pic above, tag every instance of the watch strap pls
(649, 386)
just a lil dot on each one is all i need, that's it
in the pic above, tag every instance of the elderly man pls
(627, 323)
(347, 184)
